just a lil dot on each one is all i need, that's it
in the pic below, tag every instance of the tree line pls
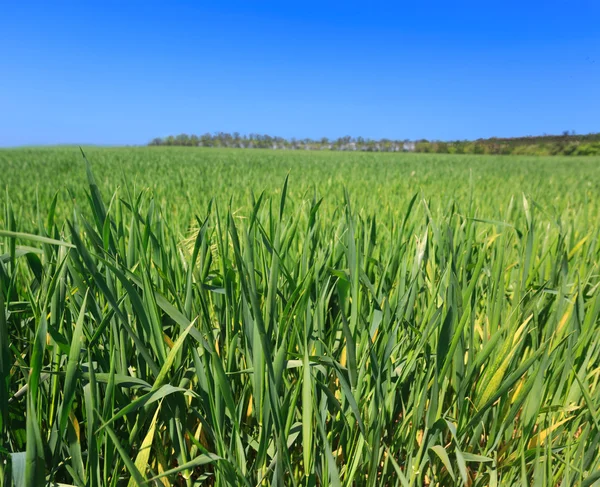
(567, 143)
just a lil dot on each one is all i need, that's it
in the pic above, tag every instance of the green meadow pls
(186, 316)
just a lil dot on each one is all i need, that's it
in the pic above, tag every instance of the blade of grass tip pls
(119, 379)
(200, 237)
(162, 375)
(471, 457)
(132, 294)
(506, 384)
(143, 456)
(444, 340)
(460, 459)
(154, 318)
(408, 211)
(146, 400)
(441, 452)
(72, 366)
(20, 251)
(35, 238)
(200, 460)
(168, 308)
(51, 213)
(283, 196)
(98, 204)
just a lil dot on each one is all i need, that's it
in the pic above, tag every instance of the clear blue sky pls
(123, 72)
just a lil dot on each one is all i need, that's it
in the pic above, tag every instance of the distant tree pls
(182, 139)
(441, 148)
(567, 143)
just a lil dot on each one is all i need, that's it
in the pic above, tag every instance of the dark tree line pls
(260, 141)
(564, 144)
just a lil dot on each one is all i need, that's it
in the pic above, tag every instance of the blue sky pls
(116, 72)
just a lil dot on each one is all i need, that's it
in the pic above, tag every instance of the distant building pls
(408, 146)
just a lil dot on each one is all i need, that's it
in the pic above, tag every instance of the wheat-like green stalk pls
(298, 337)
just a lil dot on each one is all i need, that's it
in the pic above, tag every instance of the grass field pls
(182, 316)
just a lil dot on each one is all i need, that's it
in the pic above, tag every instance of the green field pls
(184, 316)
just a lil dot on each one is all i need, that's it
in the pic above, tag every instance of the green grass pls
(374, 319)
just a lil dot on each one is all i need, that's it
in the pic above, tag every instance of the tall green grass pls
(446, 336)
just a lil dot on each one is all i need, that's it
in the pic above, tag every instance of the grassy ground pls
(377, 319)
(186, 179)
